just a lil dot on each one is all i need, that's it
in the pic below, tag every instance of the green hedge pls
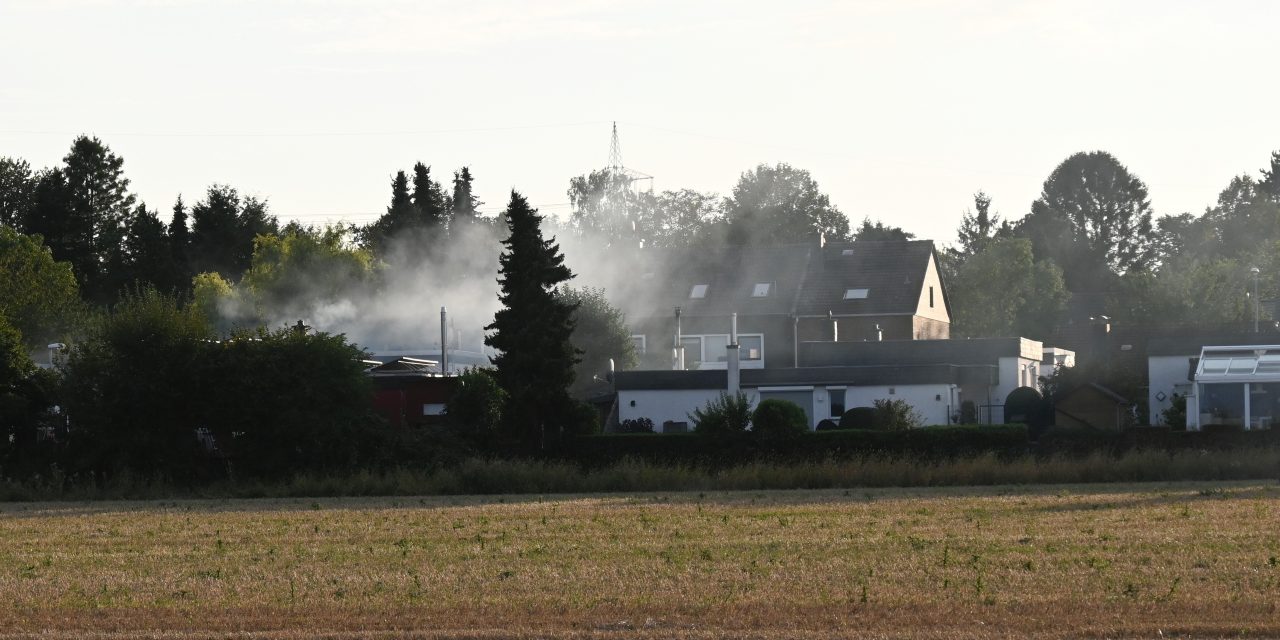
(1085, 441)
(693, 449)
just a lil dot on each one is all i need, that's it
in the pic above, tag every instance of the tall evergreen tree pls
(49, 218)
(401, 215)
(977, 228)
(148, 254)
(101, 206)
(16, 188)
(223, 230)
(1270, 183)
(180, 249)
(465, 205)
(532, 332)
(428, 198)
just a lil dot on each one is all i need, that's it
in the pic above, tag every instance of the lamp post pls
(1256, 302)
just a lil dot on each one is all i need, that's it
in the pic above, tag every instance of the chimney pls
(677, 354)
(734, 364)
(444, 342)
(835, 326)
(879, 333)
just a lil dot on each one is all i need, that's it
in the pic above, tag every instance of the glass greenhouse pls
(1236, 387)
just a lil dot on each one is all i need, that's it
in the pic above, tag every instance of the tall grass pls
(478, 476)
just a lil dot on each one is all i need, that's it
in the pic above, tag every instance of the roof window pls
(856, 294)
(761, 290)
(698, 291)
(846, 252)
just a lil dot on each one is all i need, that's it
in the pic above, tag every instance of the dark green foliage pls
(781, 204)
(149, 377)
(17, 187)
(39, 296)
(896, 414)
(224, 227)
(148, 255)
(859, 418)
(26, 396)
(477, 404)
(722, 416)
(880, 231)
(100, 208)
(533, 333)
(827, 424)
(638, 425)
(180, 250)
(464, 206)
(601, 335)
(968, 412)
(1093, 219)
(776, 419)
(1176, 415)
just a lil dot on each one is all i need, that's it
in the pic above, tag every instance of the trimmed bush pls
(639, 425)
(859, 418)
(828, 425)
(778, 419)
(896, 415)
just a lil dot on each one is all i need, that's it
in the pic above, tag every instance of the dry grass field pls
(1171, 560)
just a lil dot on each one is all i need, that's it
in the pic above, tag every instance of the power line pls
(300, 134)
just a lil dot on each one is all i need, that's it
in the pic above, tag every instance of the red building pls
(409, 392)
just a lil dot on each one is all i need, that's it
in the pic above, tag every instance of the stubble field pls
(1186, 559)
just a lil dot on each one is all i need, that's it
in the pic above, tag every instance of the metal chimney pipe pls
(733, 354)
(444, 342)
(835, 326)
(678, 351)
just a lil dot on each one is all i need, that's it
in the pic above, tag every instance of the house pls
(1172, 362)
(937, 377)
(410, 392)
(681, 301)
(1235, 386)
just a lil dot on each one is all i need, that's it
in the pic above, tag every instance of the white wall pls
(662, 405)
(939, 309)
(932, 401)
(1166, 374)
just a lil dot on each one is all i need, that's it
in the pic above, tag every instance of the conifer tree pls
(179, 249)
(428, 198)
(532, 332)
(464, 210)
(16, 186)
(100, 207)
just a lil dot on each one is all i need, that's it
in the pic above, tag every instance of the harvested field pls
(1183, 559)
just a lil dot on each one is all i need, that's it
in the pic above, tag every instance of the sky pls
(900, 109)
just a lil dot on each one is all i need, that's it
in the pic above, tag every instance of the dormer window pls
(856, 294)
(698, 291)
(761, 290)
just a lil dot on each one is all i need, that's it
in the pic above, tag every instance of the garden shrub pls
(858, 418)
(726, 414)
(896, 415)
(776, 419)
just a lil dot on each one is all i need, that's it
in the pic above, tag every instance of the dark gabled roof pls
(666, 277)
(1190, 345)
(854, 376)
(892, 271)
(806, 279)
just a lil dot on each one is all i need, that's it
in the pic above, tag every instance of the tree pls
(606, 208)
(1270, 183)
(302, 269)
(881, 232)
(39, 297)
(533, 332)
(16, 191)
(464, 206)
(180, 249)
(100, 205)
(429, 199)
(601, 335)
(683, 218)
(978, 228)
(1003, 291)
(223, 231)
(146, 255)
(781, 204)
(1093, 219)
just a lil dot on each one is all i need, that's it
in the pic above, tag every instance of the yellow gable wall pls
(939, 309)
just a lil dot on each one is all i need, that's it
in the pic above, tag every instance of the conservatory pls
(1236, 387)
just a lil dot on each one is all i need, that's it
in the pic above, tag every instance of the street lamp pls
(1256, 302)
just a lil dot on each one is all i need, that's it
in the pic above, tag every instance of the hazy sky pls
(900, 109)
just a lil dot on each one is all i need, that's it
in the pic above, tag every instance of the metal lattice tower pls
(615, 162)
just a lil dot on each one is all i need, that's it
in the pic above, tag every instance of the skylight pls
(698, 291)
(846, 252)
(761, 290)
(856, 294)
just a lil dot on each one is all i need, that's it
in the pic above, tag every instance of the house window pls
(856, 294)
(692, 351)
(836, 402)
(930, 297)
(638, 342)
(761, 290)
(698, 291)
(716, 348)
(751, 347)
